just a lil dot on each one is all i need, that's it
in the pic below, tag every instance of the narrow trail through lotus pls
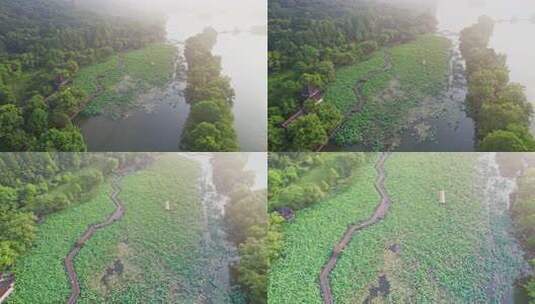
(112, 218)
(379, 214)
(360, 98)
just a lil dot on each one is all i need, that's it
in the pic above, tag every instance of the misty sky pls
(457, 14)
(258, 163)
(232, 11)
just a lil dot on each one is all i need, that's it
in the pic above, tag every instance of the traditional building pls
(312, 93)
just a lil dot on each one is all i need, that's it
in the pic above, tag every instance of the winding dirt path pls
(360, 98)
(113, 217)
(380, 213)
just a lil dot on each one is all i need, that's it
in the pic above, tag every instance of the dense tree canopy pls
(500, 109)
(289, 186)
(43, 43)
(246, 223)
(210, 124)
(308, 39)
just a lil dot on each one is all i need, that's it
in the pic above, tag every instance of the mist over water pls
(243, 53)
(512, 39)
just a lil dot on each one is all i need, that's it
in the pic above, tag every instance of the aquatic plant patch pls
(158, 250)
(429, 251)
(310, 237)
(386, 88)
(40, 275)
(114, 84)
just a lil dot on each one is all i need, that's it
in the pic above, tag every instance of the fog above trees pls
(234, 11)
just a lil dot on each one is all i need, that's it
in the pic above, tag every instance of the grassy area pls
(309, 240)
(152, 255)
(458, 252)
(454, 252)
(118, 81)
(159, 251)
(418, 72)
(41, 276)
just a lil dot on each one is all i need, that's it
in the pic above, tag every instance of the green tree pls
(6, 96)
(253, 269)
(495, 116)
(306, 133)
(37, 122)
(208, 111)
(205, 137)
(503, 141)
(8, 198)
(66, 140)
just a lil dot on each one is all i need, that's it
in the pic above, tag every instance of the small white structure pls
(442, 196)
(167, 206)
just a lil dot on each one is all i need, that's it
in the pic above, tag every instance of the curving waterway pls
(242, 46)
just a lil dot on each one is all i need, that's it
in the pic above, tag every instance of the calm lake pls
(243, 49)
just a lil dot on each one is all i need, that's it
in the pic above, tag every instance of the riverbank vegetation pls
(246, 223)
(500, 109)
(170, 245)
(210, 125)
(43, 45)
(308, 42)
(522, 167)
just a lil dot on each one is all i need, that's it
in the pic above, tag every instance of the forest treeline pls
(210, 125)
(33, 185)
(499, 108)
(43, 43)
(522, 166)
(246, 223)
(298, 180)
(308, 40)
